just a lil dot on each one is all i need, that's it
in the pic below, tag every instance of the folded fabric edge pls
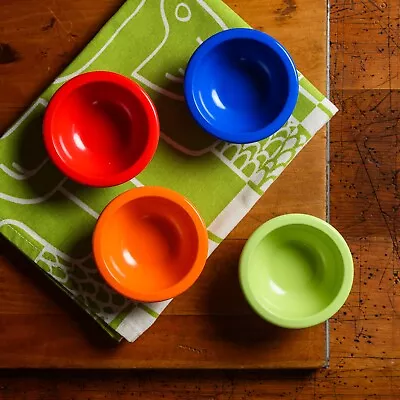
(15, 238)
(241, 204)
(140, 319)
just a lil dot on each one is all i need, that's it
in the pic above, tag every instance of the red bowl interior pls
(101, 129)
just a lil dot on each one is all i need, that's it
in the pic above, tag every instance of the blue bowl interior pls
(240, 86)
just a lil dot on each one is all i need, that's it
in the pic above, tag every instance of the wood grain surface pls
(364, 183)
(210, 326)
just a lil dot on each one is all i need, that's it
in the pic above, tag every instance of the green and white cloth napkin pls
(51, 219)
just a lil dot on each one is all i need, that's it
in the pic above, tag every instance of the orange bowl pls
(150, 244)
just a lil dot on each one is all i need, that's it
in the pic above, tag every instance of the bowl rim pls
(101, 230)
(234, 34)
(287, 220)
(149, 109)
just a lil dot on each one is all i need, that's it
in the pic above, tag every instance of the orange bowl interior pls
(150, 244)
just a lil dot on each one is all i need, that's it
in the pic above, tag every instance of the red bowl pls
(101, 129)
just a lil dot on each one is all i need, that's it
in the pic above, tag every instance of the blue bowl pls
(241, 85)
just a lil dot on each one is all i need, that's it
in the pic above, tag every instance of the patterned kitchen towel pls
(51, 218)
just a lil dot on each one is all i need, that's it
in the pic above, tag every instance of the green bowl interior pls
(296, 271)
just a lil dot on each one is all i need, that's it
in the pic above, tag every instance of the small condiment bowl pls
(101, 129)
(241, 85)
(150, 244)
(296, 271)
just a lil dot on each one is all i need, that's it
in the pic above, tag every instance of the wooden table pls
(364, 206)
(211, 326)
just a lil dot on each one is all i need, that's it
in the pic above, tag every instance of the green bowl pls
(296, 271)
